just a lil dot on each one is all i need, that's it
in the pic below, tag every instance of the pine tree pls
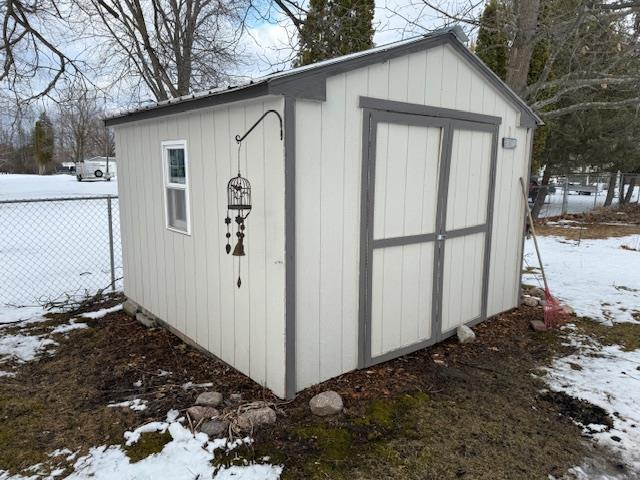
(492, 46)
(43, 143)
(335, 27)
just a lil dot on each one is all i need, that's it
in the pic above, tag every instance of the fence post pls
(595, 198)
(113, 268)
(564, 195)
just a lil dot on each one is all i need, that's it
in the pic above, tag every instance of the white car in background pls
(96, 168)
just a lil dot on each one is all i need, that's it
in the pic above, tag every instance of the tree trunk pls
(629, 194)
(542, 193)
(527, 12)
(621, 196)
(612, 189)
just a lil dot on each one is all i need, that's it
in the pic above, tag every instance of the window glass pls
(177, 208)
(177, 172)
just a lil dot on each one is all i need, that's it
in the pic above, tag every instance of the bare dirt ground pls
(600, 223)
(474, 411)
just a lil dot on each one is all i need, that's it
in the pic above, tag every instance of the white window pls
(176, 185)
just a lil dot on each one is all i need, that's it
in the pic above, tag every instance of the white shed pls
(389, 214)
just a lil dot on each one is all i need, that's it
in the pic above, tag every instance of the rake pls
(553, 312)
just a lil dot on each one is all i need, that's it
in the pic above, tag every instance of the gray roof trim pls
(182, 105)
(310, 82)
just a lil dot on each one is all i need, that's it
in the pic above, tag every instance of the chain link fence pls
(580, 193)
(54, 247)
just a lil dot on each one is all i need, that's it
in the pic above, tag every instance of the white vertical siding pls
(189, 281)
(328, 176)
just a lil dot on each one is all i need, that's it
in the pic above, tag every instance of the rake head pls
(554, 313)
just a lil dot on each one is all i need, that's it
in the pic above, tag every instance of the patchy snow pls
(14, 187)
(21, 315)
(22, 348)
(102, 312)
(190, 385)
(67, 327)
(609, 378)
(186, 456)
(136, 404)
(598, 278)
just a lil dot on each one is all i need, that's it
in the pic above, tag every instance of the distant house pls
(387, 209)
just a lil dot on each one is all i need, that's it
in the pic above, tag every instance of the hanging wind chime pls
(239, 201)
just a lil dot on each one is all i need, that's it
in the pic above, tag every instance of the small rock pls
(568, 310)
(130, 308)
(536, 292)
(209, 399)
(145, 320)
(198, 412)
(465, 334)
(256, 418)
(616, 438)
(326, 403)
(530, 301)
(214, 428)
(538, 326)
(235, 398)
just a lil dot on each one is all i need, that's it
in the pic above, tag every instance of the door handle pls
(441, 236)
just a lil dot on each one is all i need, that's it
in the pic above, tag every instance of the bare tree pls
(32, 60)
(577, 62)
(173, 46)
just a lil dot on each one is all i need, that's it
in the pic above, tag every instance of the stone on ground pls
(214, 428)
(538, 326)
(198, 412)
(536, 292)
(235, 398)
(130, 307)
(530, 301)
(326, 403)
(145, 320)
(465, 334)
(256, 418)
(209, 399)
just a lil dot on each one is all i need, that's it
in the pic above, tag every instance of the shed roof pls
(309, 81)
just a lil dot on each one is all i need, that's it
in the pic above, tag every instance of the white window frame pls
(173, 144)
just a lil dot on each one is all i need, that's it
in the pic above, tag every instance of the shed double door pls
(427, 202)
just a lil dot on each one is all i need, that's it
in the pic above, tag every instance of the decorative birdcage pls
(239, 200)
(239, 194)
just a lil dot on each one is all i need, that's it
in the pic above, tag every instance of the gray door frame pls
(377, 111)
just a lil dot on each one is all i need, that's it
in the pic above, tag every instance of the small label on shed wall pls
(508, 142)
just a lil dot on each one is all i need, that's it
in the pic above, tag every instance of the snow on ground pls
(22, 348)
(601, 280)
(136, 404)
(48, 249)
(13, 187)
(12, 315)
(187, 456)
(598, 278)
(102, 312)
(609, 378)
(67, 327)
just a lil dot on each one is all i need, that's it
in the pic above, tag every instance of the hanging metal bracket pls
(241, 138)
